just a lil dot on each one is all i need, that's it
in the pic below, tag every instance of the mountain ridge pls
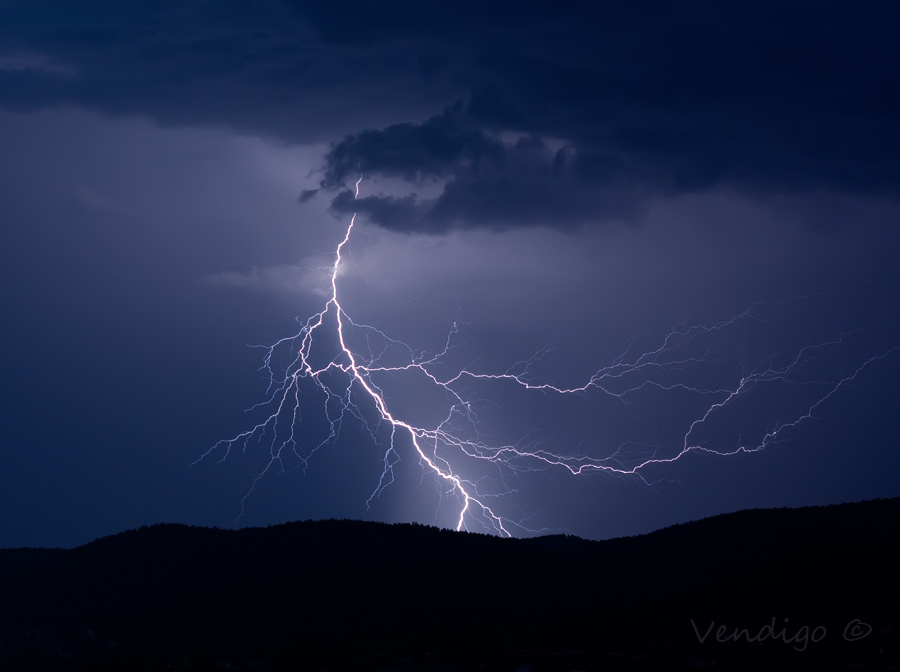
(305, 594)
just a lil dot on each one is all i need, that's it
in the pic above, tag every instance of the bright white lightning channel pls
(347, 382)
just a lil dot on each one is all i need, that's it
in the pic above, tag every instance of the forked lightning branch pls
(346, 384)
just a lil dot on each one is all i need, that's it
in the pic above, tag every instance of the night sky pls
(568, 181)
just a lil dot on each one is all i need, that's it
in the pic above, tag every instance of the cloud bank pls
(556, 116)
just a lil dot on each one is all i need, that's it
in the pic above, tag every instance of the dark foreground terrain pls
(805, 589)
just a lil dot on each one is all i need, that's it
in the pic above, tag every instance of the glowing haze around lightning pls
(347, 383)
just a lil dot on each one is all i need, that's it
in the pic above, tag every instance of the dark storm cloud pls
(488, 182)
(655, 98)
(619, 102)
(444, 145)
(404, 213)
(254, 67)
(366, 23)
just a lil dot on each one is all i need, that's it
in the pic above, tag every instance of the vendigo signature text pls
(798, 637)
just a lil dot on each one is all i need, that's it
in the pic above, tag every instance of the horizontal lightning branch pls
(347, 383)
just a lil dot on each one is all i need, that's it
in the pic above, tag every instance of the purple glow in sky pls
(174, 185)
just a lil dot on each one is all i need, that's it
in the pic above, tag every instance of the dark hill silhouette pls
(354, 595)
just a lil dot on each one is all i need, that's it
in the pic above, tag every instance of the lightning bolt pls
(347, 379)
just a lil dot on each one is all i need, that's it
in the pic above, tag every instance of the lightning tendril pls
(347, 381)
